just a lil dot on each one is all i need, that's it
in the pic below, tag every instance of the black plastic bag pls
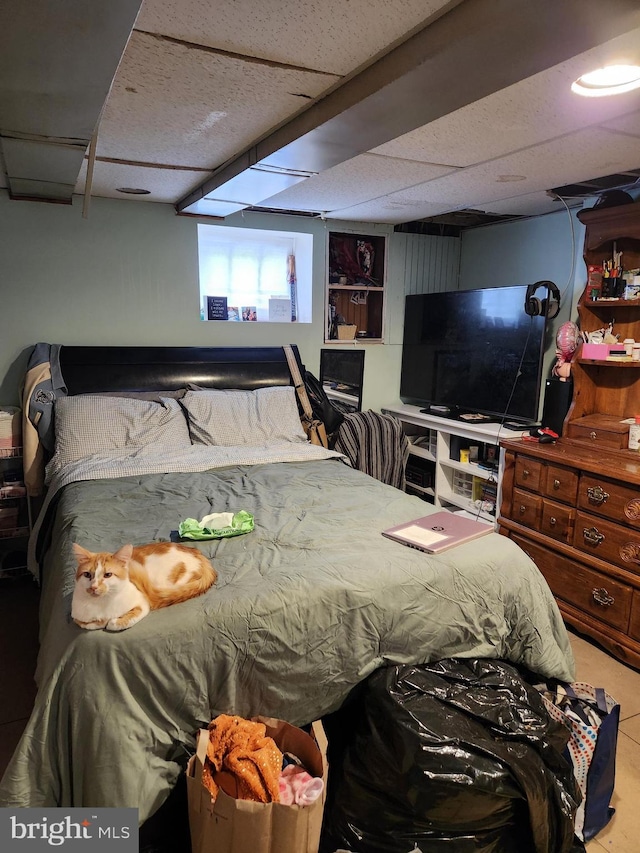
(458, 756)
(323, 408)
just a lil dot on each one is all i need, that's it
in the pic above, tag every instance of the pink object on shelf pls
(595, 351)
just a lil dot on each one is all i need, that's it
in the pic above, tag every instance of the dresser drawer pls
(561, 484)
(587, 590)
(527, 509)
(616, 501)
(603, 431)
(557, 521)
(529, 473)
(607, 541)
(634, 623)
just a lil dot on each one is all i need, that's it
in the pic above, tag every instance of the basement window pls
(250, 275)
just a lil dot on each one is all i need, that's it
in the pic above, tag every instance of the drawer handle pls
(592, 535)
(523, 509)
(553, 521)
(593, 435)
(597, 495)
(602, 597)
(556, 484)
(526, 473)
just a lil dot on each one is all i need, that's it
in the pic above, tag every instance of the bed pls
(306, 606)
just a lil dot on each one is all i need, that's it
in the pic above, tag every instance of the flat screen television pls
(473, 351)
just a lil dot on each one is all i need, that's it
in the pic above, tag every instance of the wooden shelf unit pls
(604, 387)
(357, 268)
(436, 442)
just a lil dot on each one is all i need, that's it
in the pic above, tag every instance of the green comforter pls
(308, 604)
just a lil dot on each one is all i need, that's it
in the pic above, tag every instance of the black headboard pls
(92, 369)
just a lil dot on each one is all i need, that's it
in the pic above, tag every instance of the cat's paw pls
(117, 624)
(92, 626)
(126, 620)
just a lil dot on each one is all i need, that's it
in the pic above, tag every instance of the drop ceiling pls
(382, 111)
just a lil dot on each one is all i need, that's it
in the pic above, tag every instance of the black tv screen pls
(473, 351)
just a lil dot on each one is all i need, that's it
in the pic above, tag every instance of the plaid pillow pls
(90, 424)
(234, 418)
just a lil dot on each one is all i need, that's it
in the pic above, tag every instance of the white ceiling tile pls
(173, 105)
(42, 160)
(335, 36)
(628, 123)
(35, 189)
(578, 157)
(358, 180)
(390, 210)
(237, 76)
(532, 204)
(165, 184)
(531, 111)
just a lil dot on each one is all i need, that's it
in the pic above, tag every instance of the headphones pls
(548, 307)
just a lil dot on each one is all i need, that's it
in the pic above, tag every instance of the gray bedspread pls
(306, 606)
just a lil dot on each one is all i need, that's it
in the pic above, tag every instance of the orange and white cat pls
(114, 591)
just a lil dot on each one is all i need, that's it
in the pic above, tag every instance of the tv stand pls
(435, 472)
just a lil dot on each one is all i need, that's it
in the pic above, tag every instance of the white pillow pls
(232, 418)
(89, 424)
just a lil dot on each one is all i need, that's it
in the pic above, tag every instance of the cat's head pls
(99, 574)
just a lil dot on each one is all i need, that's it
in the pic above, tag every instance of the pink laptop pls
(438, 532)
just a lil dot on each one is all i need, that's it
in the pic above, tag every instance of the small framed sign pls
(217, 308)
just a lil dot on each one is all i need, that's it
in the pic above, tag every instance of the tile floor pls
(18, 650)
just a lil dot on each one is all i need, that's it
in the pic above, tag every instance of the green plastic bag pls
(219, 525)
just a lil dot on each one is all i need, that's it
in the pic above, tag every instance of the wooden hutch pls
(574, 506)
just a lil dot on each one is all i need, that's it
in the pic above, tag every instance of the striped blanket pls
(376, 444)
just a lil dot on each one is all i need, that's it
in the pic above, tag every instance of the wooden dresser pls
(576, 511)
(574, 506)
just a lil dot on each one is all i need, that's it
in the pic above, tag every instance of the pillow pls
(232, 418)
(155, 396)
(90, 423)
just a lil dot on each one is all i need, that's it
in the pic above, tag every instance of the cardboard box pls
(242, 826)
(346, 332)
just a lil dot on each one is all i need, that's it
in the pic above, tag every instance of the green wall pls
(128, 275)
(525, 251)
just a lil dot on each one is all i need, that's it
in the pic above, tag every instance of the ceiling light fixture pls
(610, 80)
(132, 191)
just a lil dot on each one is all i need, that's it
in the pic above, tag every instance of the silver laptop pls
(438, 532)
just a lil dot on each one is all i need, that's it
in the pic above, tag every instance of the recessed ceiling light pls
(132, 191)
(611, 80)
(505, 179)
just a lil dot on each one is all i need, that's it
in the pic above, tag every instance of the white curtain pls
(247, 270)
